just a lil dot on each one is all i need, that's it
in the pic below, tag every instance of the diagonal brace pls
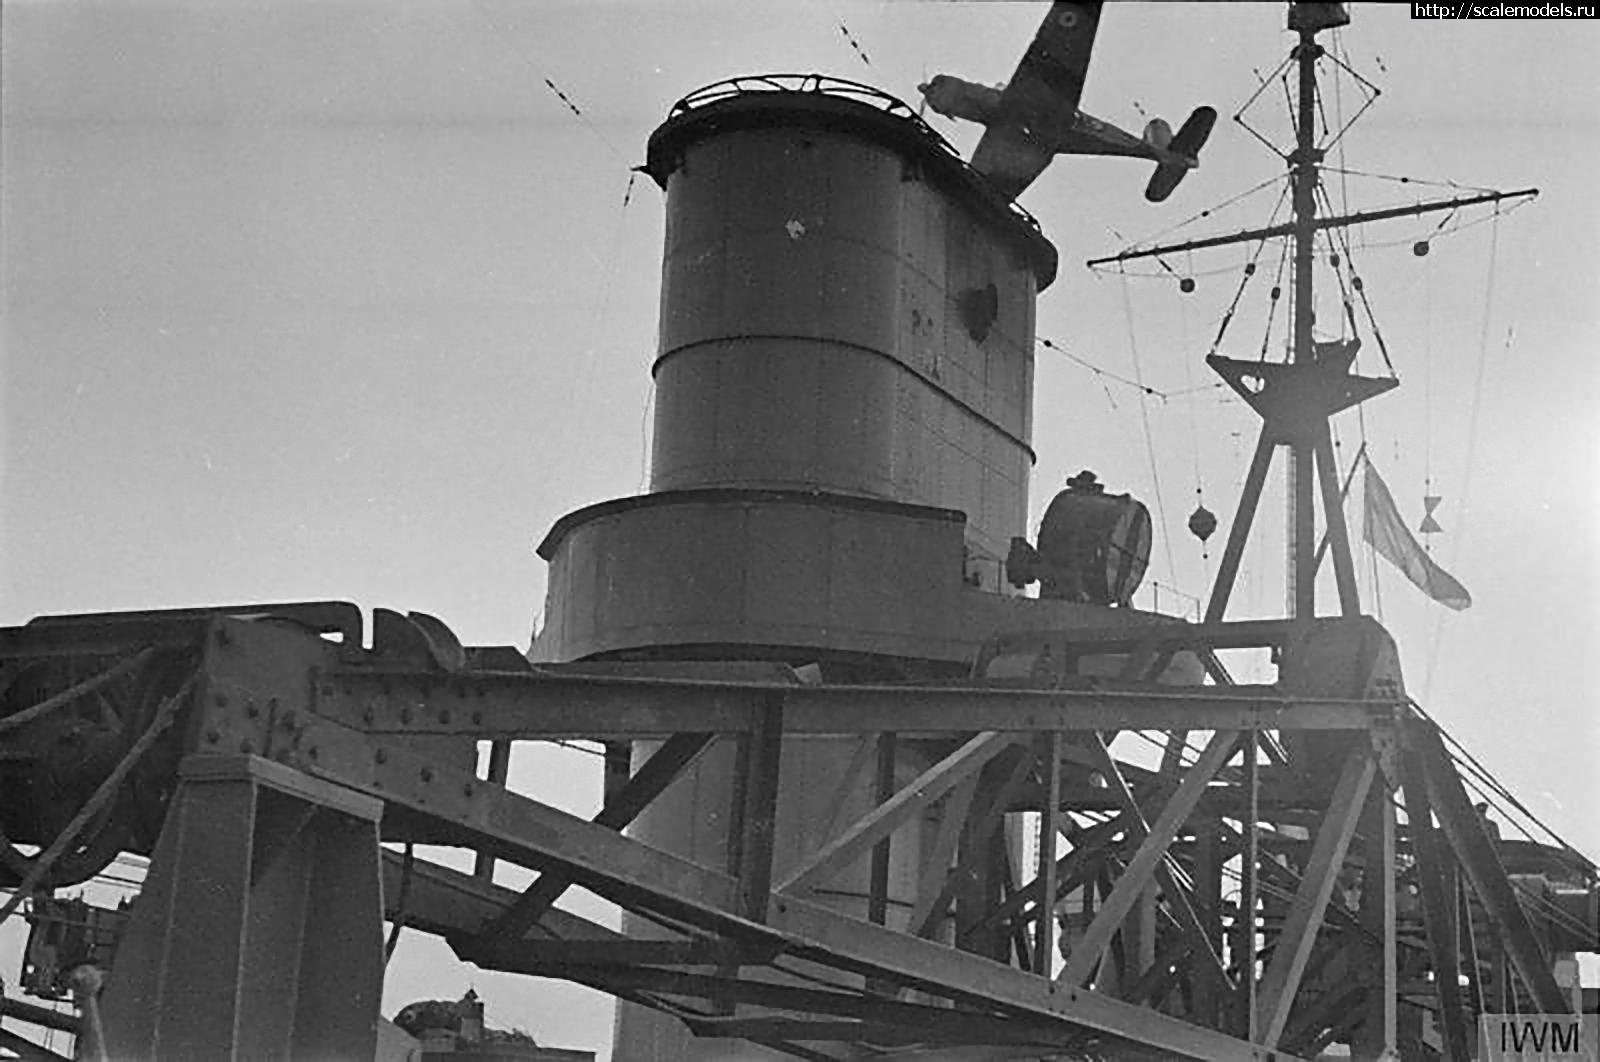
(1086, 956)
(1178, 896)
(887, 817)
(658, 772)
(1437, 888)
(1463, 828)
(978, 826)
(1299, 933)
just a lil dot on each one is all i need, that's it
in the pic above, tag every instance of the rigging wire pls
(1338, 111)
(1468, 762)
(644, 437)
(1530, 898)
(1209, 211)
(1238, 115)
(1194, 434)
(505, 39)
(1149, 440)
(576, 747)
(1345, 171)
(610, 265)
(855, 46)
(1462, 509)
(1372, 95)
(1371, 553)
(1100, 371)
(1273, 298)
(1248, 272)
(612, 268)
(1427, 391)
(1343, 240)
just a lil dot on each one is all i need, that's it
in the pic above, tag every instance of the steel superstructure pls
(828, 715)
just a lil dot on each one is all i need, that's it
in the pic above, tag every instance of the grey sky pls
(338, 300)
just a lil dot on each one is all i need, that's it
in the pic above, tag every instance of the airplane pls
(1036, 117)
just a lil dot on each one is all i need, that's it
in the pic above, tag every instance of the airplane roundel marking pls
(1067, 19)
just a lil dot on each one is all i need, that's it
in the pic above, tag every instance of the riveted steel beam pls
(1049, 826)
(1464, 830)
(1377, 1035)
(1177, 896)
(826, 936)
(887, 817)
(1299, 933)
(549, 704)
(1436, 888)
(658, 772)
(1071, 870)
(521, 830)
(1086, 955)
(928, 911)
(985, 814)
(454, 905)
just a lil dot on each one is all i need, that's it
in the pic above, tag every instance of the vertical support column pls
(1376, 1038)
(1303, 174)
(500, 766)
(1250, 861)
(1139, 942)
(227, 954)
(618, 767)
(1049, 823)
(878, 872)
(1207, 871)
(979, 882)
(878, 886)
(1303, 530)
(752, 816)
(762, 754)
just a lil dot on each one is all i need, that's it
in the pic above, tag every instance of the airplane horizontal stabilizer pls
(1186, 147)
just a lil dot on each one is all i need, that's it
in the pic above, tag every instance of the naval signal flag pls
(1387, 531)
(1429, 525)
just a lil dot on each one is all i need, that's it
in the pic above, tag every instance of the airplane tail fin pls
(1186, 147)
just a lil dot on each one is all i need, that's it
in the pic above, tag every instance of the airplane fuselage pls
(1072, 133)
(1036, 117)
(964, 100)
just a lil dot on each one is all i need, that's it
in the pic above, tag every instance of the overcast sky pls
(339, 300)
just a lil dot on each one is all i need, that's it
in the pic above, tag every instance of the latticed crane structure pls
(830, 717)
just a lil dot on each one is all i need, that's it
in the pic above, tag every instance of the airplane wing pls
(1041, 100)
(1049, 79)
(1010, 159)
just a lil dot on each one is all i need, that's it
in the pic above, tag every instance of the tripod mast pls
(1297, 397)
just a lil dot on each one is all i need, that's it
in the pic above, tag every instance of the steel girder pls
(1159, 959)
